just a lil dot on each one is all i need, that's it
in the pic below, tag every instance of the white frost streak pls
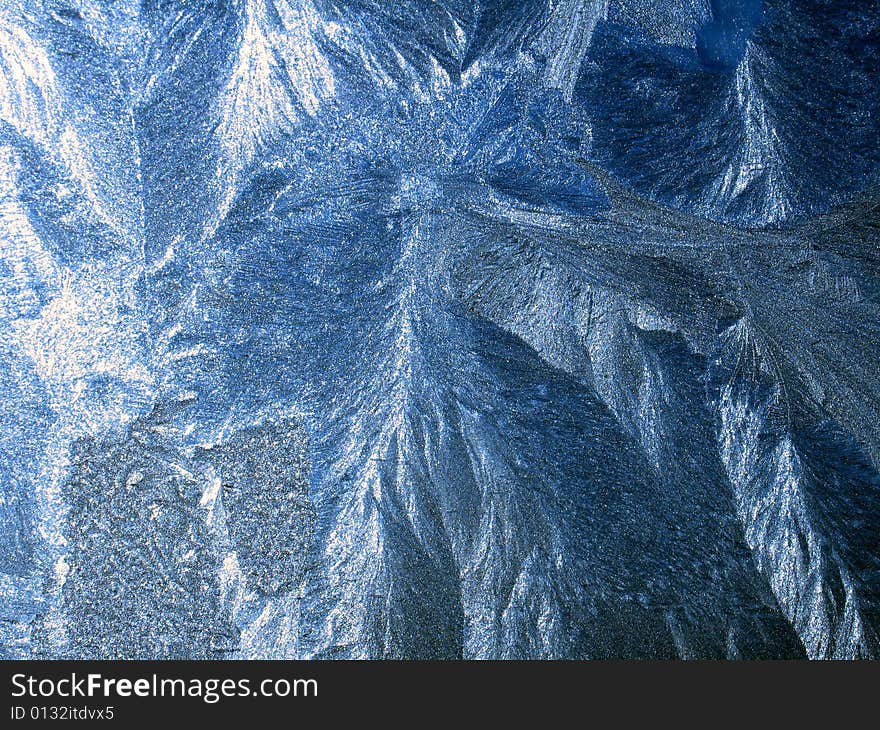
(760, 159)
(770, 490)
(567, 38)
(279, 77)
(78, 332)
(32, 103)
(28, 89)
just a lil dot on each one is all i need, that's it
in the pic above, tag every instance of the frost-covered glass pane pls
(499, 329)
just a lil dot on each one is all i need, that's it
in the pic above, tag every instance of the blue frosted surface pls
(540, 329)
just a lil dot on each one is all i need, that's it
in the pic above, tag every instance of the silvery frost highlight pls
(536, 329)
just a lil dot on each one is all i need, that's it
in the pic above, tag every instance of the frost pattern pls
(539, 329)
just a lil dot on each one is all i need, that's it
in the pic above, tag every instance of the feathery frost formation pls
(492, 329)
